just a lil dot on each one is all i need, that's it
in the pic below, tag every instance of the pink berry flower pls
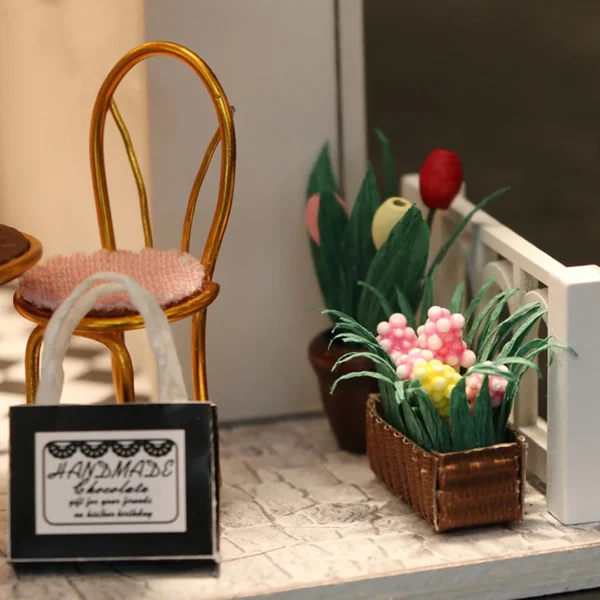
(496, 386)
(405, 363)
(395, 337)
(442, 334)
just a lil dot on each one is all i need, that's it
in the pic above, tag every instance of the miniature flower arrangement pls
(370, 262)
(438, 434)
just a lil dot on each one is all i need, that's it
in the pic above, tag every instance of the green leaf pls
(401, 261)
(489, 324)
(462, 425)
(484, 422)
(321, 273)
(434, 425)
(389, 166)
(457, 299)
(406, 309)
(358, 246)
(383, 301)
(459, 228)
(427, 301)
(332, 227)
(470, 339)
(477, 300)
(511, 347)
(322, 177)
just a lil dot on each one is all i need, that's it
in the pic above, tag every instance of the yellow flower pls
(437, 381)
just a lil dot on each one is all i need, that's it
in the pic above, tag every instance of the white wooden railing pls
(564, 451)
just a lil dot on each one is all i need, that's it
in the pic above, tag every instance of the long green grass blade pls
(406, 309)
(356, 374)
(490, 324)
(433, 423)
(492, 370)
(414, 430)
(389, 404)
(483, 314)
(512, 390)
(351, 338)
(387, 365)
(344, 320)
(485, 288)
(459, 228)
(457, 299)
(517, 360)
(512, 346)
(502, 332)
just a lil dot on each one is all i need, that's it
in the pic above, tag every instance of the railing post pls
(573, 470)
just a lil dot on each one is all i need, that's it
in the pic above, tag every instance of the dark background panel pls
(514, 87)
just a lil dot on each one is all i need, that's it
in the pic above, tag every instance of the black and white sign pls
(113, 482)
(110, 482)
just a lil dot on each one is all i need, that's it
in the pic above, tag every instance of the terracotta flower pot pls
(452, 490)
(346, 407)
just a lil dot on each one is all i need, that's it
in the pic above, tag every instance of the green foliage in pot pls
(354, 277)
(503, 350)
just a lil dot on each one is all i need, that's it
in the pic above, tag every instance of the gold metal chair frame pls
(110, 330)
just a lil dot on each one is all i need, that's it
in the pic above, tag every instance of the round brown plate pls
(12, 244)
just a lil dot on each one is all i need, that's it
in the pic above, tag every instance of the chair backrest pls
(225, 135)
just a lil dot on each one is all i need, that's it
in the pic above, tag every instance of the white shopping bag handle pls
(66, 318)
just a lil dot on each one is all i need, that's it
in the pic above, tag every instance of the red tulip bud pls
(440, 178)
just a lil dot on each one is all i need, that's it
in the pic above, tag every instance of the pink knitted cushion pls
(170, 275)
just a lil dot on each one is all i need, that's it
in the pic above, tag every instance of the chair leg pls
(117, 373)
(32, 362)
(121, 363)
(199, 382)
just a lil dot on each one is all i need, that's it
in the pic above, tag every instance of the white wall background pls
(276, 61)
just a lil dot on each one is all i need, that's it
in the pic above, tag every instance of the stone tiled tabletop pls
(298, 513)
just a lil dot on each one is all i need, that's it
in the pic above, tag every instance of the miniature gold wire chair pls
(109, 329)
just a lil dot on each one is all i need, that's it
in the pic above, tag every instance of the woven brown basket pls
(453, 490)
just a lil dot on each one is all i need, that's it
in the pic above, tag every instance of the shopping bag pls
(112, 482)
